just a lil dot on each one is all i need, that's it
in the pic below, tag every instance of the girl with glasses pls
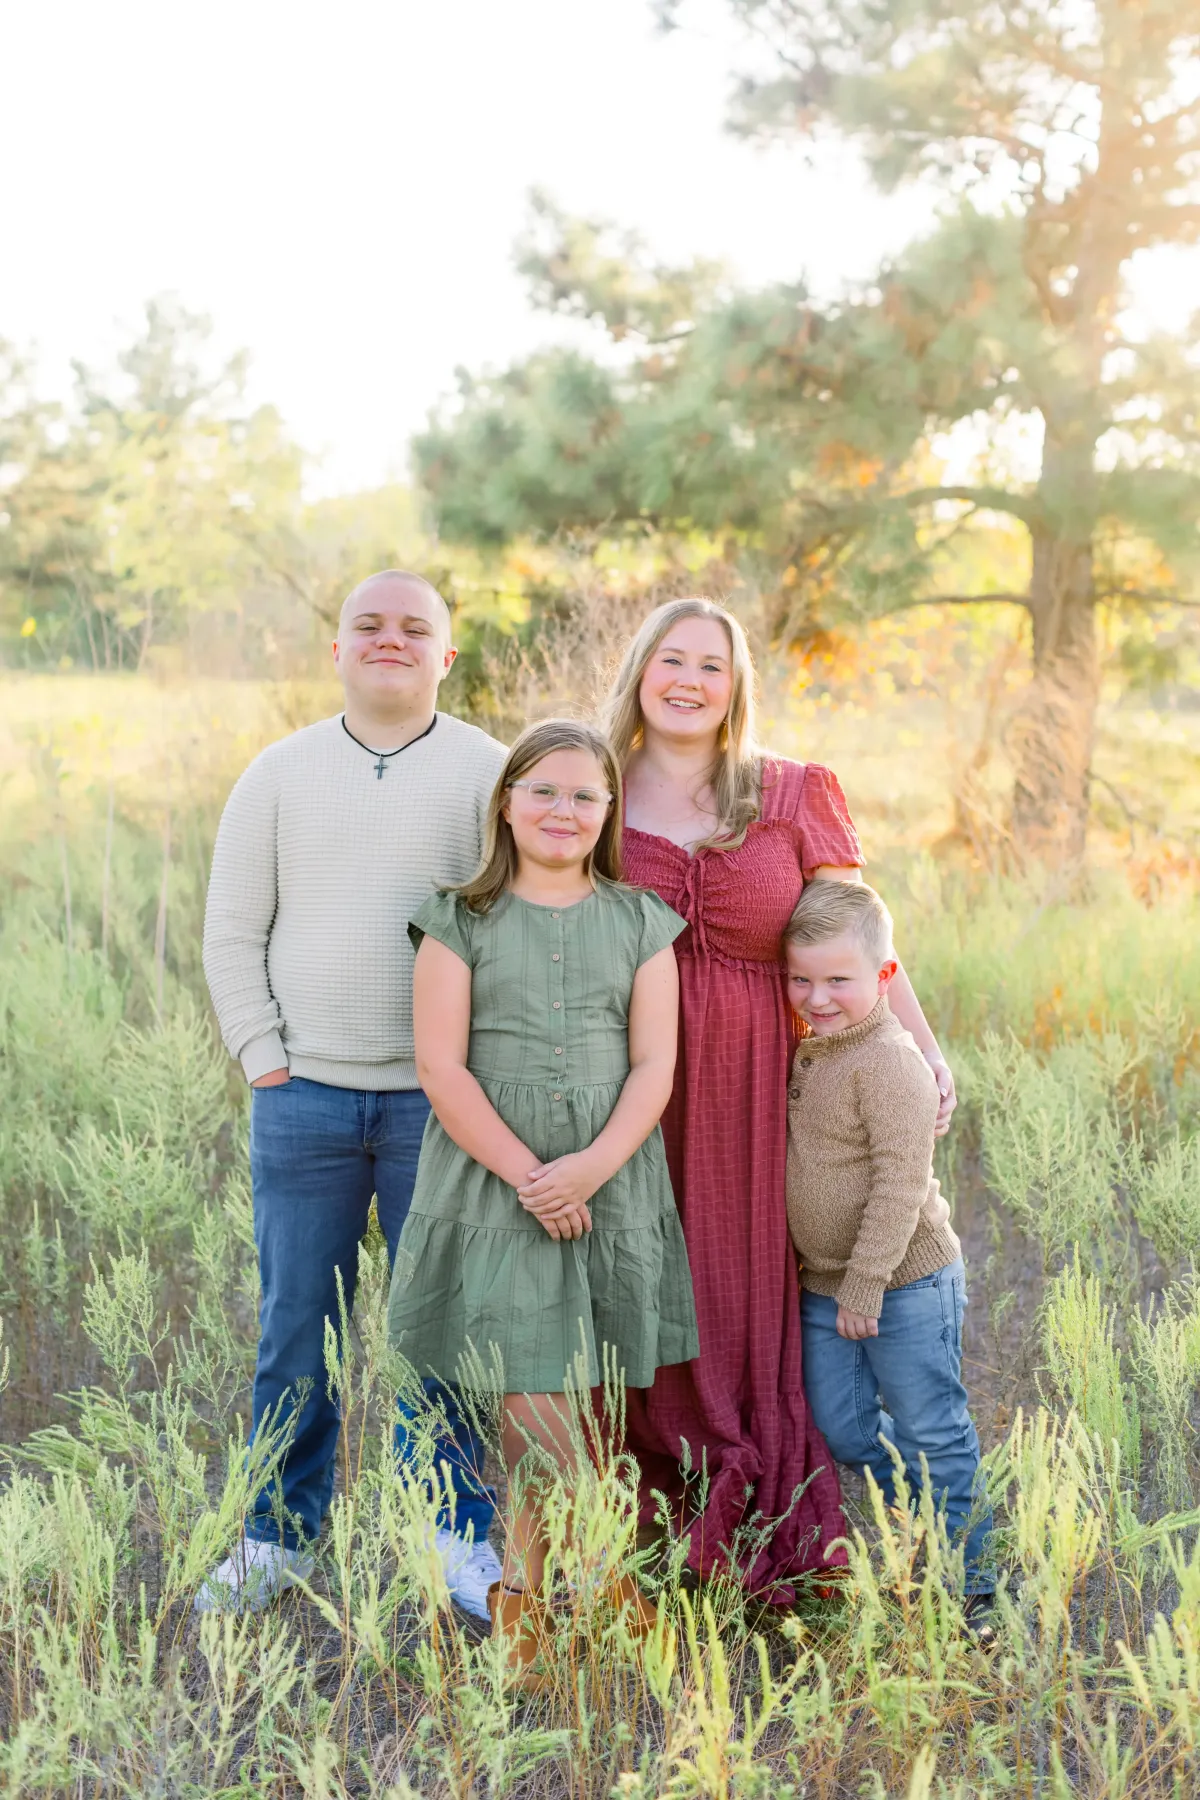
(545, 1008)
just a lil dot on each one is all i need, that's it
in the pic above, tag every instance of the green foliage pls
(1166, 1359)
(130, 1305)
(1166, 1199)
(804, 426)
(1055, 142)
(1051, 1138)
(1086, 1366)
(154, 496)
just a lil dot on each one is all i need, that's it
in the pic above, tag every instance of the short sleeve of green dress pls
(481, 1294)
(444, 917)
(660, 925)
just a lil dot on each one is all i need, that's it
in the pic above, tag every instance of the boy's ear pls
(886, 973)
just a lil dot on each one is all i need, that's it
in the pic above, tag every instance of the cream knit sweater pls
(318, 867)
(864, 1208)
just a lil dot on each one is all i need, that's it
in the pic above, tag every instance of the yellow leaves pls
(29, 628)
(844, 464)
(829, 656)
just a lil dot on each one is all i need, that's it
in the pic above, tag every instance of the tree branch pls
(1168, 221)
(1132, 818)
(963, 600)
(1160, 128)
(1147, 596)
(985, 499)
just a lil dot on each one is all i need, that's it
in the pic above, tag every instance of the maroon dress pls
(740, 1406)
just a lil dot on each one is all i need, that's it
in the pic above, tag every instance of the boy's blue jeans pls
(317, 1154)
(905, 1384)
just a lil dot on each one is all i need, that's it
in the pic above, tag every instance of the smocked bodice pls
(737, 902)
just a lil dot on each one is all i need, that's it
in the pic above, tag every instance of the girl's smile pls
(558, 832)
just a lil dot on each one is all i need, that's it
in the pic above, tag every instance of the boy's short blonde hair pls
(830, 909)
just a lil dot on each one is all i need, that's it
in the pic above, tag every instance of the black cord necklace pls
(385, 756)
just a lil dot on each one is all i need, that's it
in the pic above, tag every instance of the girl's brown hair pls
(736, 774)
(499, 865)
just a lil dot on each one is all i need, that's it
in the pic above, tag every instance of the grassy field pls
(128, 1295)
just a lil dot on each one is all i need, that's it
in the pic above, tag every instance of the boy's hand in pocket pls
(856, 1325)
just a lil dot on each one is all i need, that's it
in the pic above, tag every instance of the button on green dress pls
(549, 1045)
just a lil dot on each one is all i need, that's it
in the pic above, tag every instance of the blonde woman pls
(728, 837)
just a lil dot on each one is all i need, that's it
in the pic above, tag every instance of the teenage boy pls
(330, 842)
(882, 1270)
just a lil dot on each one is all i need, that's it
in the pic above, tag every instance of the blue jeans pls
(317, 1154)
(905, 1385)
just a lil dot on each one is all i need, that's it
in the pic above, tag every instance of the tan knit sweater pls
(318, 867)
(864, 1208)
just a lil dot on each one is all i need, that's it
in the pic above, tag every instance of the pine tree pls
(1060, 137)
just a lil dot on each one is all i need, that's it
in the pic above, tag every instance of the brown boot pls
(641, 1614)
(519, 1617)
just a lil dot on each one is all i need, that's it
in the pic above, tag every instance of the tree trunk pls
(1054, 731)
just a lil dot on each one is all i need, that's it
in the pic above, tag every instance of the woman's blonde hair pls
(499, 866)
(736, 774)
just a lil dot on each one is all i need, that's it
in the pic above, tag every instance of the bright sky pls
(340, 186)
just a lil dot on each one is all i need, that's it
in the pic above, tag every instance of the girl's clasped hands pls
(557, 1193)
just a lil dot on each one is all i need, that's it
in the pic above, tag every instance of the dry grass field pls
(128, 1294)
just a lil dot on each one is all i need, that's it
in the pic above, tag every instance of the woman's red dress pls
(740, 1406)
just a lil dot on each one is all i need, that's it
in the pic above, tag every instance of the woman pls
(728, 837)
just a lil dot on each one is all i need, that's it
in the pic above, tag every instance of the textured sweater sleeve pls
(898, 1103)
(242, 896)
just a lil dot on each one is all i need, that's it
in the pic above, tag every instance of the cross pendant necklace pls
(383, 757)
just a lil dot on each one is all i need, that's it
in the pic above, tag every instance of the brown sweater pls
(864, 1209)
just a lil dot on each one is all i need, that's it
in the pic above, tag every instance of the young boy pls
(884, 1289)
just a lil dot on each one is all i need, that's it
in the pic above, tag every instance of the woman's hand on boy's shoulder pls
(947, 1098)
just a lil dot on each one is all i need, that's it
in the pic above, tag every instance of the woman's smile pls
(688, 681)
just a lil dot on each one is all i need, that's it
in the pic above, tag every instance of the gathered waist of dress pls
(687, 950)
(546, 1083)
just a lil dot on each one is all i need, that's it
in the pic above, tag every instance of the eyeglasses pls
(546, 796)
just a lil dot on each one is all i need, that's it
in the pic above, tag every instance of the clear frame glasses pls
(546, 795)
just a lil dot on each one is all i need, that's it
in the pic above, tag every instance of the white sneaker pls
(470, 1570)
(252, 1576)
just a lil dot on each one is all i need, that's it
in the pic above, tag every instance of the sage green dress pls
(549, 1045)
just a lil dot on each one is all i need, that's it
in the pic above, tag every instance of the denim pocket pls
(954, 1306)
(914, 1287)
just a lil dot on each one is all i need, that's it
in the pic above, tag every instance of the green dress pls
(549, 1045)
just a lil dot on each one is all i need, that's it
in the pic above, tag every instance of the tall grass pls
(128, 1296)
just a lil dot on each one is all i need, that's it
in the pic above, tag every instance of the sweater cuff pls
(263, 1055)
(859, 1294)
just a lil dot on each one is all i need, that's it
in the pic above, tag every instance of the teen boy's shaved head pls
(391, 583)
